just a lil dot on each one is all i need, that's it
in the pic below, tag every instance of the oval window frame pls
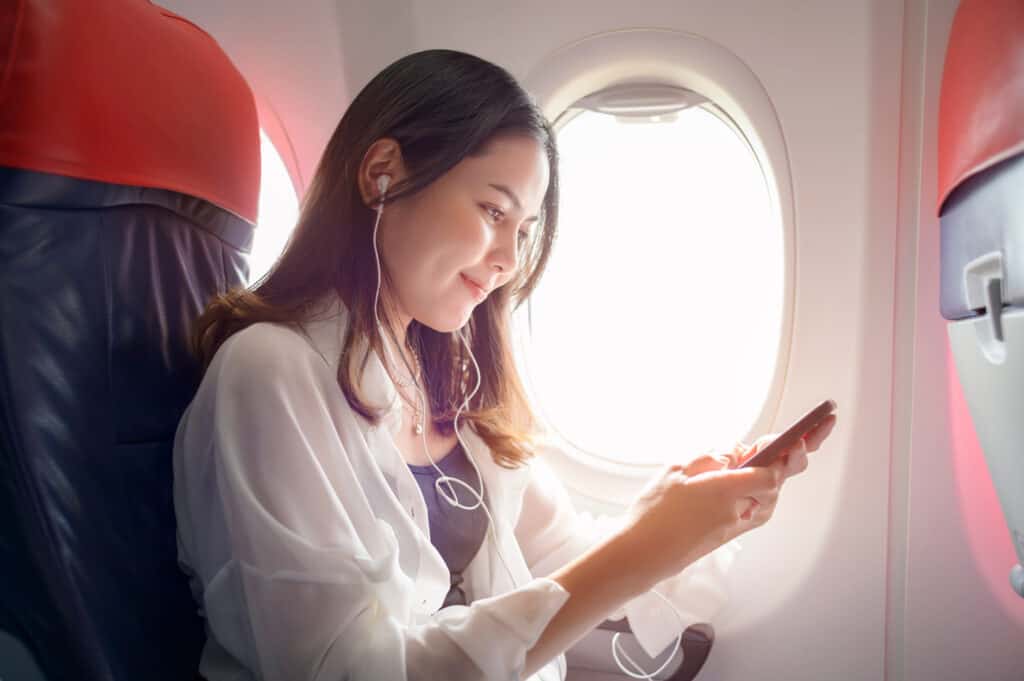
(676, 59)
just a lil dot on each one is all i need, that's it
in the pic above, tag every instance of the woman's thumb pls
(753, 480)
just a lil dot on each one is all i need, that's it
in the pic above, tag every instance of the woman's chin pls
(448, 323)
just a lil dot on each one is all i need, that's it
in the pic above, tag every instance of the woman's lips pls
(478, 292)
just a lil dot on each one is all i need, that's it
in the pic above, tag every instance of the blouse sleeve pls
(311, 587)
(551, 533)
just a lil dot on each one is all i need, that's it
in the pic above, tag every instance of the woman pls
(361, 401)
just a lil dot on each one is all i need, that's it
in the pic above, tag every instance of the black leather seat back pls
(99, 286)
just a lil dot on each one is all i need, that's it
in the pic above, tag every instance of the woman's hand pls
(791, 462)
(687, 511)
(795, 460)
(679, 518)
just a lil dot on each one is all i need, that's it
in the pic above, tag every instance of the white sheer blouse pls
(306, 537)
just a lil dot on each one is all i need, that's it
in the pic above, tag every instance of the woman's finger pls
(817, 435)
(706, 463)
(754, 482)
(752, 505)
(759, 506)
(795, 462)
(738, 453)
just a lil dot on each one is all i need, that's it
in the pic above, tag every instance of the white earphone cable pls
(443, 479)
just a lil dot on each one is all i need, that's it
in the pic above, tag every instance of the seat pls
(981, 208)
(129, 180)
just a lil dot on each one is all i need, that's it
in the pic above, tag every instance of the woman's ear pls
(383, 157)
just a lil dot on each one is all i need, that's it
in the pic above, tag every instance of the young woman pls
(361, 401)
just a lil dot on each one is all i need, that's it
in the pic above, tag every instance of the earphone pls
(383, 181)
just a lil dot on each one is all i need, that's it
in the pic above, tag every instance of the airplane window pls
(654, 333)
(278, 207)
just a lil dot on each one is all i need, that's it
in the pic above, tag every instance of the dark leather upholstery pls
(99, 285)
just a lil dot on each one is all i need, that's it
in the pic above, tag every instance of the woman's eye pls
(523, 236)
(495, 213)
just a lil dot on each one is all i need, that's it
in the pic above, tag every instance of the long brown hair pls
(440, 106)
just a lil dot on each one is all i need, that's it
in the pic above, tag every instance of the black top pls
(456, 533)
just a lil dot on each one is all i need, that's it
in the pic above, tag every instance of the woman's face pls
(449, 245)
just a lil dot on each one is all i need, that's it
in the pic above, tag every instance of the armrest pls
(696, 645)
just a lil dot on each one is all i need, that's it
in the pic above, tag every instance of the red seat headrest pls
(124, 91)
(981, 106)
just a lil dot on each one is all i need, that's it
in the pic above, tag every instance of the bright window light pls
(279, 209)
(654, 332)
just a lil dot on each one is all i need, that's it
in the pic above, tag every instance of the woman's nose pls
(504, 256)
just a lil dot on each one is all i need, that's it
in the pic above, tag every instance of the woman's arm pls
(599, 582)
(675, 521)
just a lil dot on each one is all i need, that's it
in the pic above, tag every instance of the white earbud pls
(382, 185)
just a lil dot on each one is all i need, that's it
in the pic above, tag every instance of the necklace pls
(413, 382)
(417, 420)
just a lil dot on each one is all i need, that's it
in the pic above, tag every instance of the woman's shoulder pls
(266, 349)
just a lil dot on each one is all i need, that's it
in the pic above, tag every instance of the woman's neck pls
(399, 350)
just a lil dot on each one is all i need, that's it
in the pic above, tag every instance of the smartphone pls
(783, 442)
